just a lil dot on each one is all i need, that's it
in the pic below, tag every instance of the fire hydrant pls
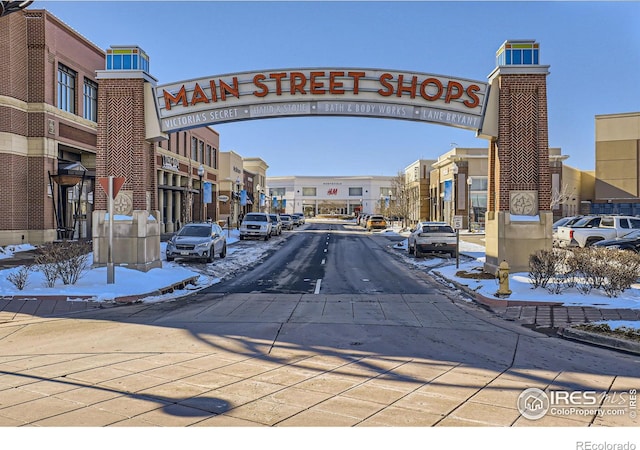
(502, 274)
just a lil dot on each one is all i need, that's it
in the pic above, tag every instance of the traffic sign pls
(117, 184)
(457, 222)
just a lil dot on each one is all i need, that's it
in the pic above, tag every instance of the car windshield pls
(255, 218)
(437, 229)
(632, 235)
(561, 222)
(274, 218)
(195, 231)
(583, 222)
(285, 217)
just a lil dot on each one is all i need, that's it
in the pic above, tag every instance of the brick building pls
(49, 105)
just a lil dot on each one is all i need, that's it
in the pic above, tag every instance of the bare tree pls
(399, 204)
(562, 195)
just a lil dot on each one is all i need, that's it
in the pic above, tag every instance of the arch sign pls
(322, 92)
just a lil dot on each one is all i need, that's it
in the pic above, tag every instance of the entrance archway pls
(510, 111)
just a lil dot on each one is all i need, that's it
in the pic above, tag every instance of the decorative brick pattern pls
(519, 159)
(121, 148)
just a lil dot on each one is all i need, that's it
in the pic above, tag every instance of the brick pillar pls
(122, 150)
(125, 148)
(519, 217)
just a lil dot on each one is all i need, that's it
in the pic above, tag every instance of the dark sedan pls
(630, 241)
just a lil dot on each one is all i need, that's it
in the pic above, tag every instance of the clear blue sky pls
(593, 49)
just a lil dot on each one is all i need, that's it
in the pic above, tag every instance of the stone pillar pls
(127, 131)
(519, 218)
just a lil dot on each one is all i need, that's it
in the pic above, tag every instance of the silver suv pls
(256, 225)
(197, 241)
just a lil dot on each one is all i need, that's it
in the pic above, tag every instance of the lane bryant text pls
(316, 83)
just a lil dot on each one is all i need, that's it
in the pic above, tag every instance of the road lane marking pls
(318, 283)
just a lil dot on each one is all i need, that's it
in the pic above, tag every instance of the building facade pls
(617, 180)
(330, 196)
(48, 128)
(49, 102)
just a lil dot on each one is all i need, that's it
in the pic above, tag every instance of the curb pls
(493, 302)
(600, 340)
(124, 300)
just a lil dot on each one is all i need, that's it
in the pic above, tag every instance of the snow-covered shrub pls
(67, 260)
(20, 277)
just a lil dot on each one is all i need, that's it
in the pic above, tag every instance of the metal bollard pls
(502, 274)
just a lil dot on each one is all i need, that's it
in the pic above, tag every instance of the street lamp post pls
(469, 181)
(454, 169)
(200, 175)
(258, 190)
(238, 201)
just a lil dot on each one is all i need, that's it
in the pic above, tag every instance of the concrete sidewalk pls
(297, 360)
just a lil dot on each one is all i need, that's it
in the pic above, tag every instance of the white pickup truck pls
(591, 229)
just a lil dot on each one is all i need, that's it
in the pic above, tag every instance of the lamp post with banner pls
(469, 208)
(201, 208)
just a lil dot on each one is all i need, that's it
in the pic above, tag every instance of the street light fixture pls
(200, 175)
(469, 181)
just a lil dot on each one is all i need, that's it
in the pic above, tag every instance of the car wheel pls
(169, 258)
(410, 249)
(212, 252)
(266, 237)
(223, 252)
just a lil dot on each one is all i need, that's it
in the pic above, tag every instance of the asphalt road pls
(329, 258)
(331, 328)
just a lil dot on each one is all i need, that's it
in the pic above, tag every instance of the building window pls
(201, 143)
(355, 192)
(194, 149)
(90, 110)
(214, 157)
(66, 89)
(278, 192)
(207, 156)
(309, 192)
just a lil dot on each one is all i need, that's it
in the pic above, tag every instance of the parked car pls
(300, 217)
(609, 227)
(256, 225)
(629, 242)
(432, 237)
(276, 224)
(287, 222)
(564, 234)
(197, 241)
(295, 219)
(376, 222)
(564, 222)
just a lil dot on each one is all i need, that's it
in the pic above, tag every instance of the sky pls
(592, 48)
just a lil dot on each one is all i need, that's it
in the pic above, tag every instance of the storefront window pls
(66, 89)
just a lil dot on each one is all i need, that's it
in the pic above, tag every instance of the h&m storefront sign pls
(322, 92)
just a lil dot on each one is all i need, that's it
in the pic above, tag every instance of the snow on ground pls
(132, 282)
(10, 250)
